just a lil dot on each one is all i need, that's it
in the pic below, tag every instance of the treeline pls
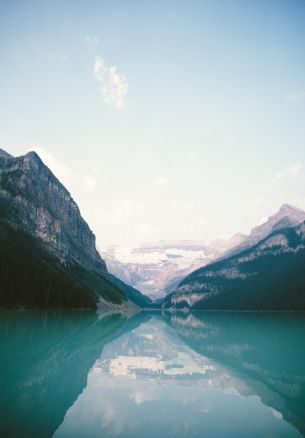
(253, 279)
(31, 278)
(276, 282)
(280, 288)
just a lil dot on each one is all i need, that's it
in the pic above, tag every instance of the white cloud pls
(295, 96)
(148, 232)
(89, 183)
(192, 155)
(97, 172)
(113, 86)
(256, 201)
(122, 210)
(182, 207)
(92, 40)
(288, 172)
(65, 58)
(161, 181)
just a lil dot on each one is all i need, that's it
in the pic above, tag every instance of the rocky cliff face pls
(48, 257)
(157, 268)
(267, 276)
(47, 210)
(287, 216)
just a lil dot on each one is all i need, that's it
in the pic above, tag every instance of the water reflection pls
(266, 351)
(45, 360)
(175, 375)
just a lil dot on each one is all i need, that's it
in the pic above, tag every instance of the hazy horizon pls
(165, 121)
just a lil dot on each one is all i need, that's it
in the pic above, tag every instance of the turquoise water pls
(206, 374)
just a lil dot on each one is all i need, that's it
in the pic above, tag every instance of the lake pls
(212, 374)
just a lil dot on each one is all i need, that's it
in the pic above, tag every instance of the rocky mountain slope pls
(287, 216)
(48, 254)
(270, 275)
(47, 209)
(156, 269)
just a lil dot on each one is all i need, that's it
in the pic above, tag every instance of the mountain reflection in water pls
(75, 374)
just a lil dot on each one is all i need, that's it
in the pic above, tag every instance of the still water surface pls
(205, 374)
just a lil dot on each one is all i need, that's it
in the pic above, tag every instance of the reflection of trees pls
(46, 357)
(264, 350)
(45, 360)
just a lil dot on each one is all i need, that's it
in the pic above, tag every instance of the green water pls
(205, 374)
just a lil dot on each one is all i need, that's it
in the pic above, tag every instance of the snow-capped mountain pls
(266, 276)
(156, 269)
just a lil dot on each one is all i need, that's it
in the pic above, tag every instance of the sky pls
(164, 119)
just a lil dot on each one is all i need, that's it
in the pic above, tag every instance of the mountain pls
(222, 246)
(48, 257)
(133, 294)
(47, 210)
(287, 216)
(269, 275)
(156, 268)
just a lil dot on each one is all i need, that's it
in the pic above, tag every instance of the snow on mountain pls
(157, 268)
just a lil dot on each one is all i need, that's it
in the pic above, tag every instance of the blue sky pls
(165, 119)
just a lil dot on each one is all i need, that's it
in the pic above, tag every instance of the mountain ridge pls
(256, 278)
(287, 215)
(41, 200)
(157, 268)
(48, 253)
